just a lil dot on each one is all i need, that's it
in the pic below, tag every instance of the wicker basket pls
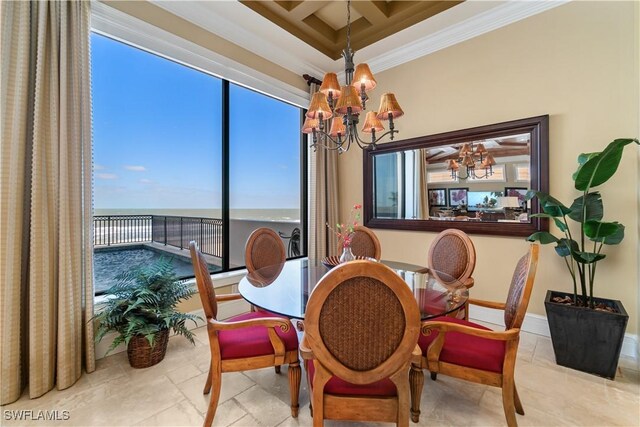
(142, 355)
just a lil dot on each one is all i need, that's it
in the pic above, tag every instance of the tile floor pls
(170, 394)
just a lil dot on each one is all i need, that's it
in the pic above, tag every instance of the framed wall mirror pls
(471, 179)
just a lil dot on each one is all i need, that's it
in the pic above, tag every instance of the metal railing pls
(175, 231)
(118, 229)
(178, 231)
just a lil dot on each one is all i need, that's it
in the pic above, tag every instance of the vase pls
(347, 255)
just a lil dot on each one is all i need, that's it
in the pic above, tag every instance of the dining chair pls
(364, 243)
(472, 352)
(361, 328)
(452, 253)
(244, 342)
(263, 248)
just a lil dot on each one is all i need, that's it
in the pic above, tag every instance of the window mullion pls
(225, 176)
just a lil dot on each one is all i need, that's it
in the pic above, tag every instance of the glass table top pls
(285, 288)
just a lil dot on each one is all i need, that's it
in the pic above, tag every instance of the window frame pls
(122, 28)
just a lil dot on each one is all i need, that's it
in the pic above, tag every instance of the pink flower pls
(344, 231)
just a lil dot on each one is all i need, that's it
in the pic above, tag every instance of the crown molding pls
(500, 16)
(133, 31)
(255, 33)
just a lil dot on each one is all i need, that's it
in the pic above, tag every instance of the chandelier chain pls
(348, 25)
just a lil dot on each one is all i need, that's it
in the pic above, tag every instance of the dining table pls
(285, 288)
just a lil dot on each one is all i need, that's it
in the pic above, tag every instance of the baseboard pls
(225, 310)
(537, 324)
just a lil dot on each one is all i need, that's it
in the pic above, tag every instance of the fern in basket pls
(143, 302)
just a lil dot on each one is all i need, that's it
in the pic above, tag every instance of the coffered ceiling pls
(448, 24)
(323, 24)
(508, 146)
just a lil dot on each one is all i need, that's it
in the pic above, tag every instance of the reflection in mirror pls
(475, 179)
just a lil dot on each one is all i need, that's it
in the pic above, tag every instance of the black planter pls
(584, 339)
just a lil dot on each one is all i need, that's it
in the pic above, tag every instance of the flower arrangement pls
(344, 231)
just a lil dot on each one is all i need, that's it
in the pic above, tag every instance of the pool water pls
(108, 264)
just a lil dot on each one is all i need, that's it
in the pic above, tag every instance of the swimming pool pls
(110, 262)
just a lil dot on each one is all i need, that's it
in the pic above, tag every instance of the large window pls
(172, 145)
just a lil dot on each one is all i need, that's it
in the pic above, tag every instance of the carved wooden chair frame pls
(218, 366)
(395, 367)
(465, 277)
(515, 309)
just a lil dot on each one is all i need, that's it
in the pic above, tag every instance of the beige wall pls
(579, 64)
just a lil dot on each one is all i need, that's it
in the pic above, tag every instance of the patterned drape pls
(421, 165)
(45, 214)
(323, 199)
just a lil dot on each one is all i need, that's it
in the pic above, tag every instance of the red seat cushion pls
(466, 350)
(338, 386)
(254, 340)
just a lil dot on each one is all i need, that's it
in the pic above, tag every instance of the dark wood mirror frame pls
(537, 127)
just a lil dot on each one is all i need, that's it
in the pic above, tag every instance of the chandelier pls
(467, 157)
(345, 104)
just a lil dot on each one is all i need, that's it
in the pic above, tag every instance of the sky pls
(157, 137)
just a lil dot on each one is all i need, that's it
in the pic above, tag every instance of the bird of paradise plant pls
(581, 251)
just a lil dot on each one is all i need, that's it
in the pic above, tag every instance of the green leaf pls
(582, 159)
(566, 247)
(598, 231)
(600, 167)
(544, 237)
(151, 338)
(549, 204)
(592, 205)
(587, 257)
(560, 224)
(616, 237)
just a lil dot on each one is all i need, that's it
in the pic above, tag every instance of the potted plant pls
(141, 309)
(586, 331)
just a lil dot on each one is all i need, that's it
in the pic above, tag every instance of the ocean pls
(255, 214)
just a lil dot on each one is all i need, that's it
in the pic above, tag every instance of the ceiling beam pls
(370, 11)
(306, 8)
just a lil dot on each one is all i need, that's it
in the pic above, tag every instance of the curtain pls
(46, 294)
(323, 199)
(423, 198)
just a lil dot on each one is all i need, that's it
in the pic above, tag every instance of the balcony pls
(123, 242)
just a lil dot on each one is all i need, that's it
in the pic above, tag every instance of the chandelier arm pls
(324, 134)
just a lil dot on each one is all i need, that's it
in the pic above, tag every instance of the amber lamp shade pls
(363, 76)
(319, 105)
(466, 149)
(480, 149)
(468, 161)
(488, 161)
(310, 124)
(452, 165)
(330, 85)
(389, 105)
(337, 127)
(348, 98)
(372, 123)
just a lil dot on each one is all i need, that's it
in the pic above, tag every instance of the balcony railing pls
(175, 231)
